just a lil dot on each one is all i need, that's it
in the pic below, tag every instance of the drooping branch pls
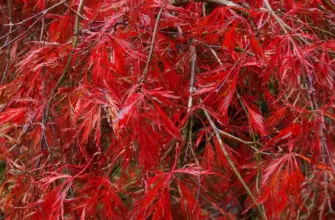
(66, 69)
(232, 165)
(42, 15)
(217, 133)
(282, 24)
(152, 47)
(7, 40)
(189, 126)
(219, 2)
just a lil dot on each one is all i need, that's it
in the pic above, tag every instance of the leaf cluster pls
(167, 109)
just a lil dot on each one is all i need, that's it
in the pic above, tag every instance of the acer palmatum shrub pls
(176, 109)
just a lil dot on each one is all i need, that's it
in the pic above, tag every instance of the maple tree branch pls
(66, 69)
(42, 13)
(219, 2)
(238, 139)
(189, 126)
(223, 2)
(324, 145)
(222, 132)
(152, 47)
(9, 33)
(234, 66)
(282, 24)
(217, 132)
(191, 90)
(35, 15)
(76, 28)
(250, 143)
(232, 164)
(76, 12)
(23, 33)
(258, 158)
(8, 39)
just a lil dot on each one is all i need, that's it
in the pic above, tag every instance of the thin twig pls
(232, 165)
(223, 2)
(204, 9)
(23, 33)
(222, 132)
(76, 27)
(258, 158)
(234, 66)
(219, 2)
(191, 90)
(310, 25)
(36, 15)
(66, 69)
(324, 146)
(42, 13)
(236, 138)
(8, 39)
(189, 126)
(230, 162)
(74, 11)
(282, 24)
(321, 129)
(145, 71)
(240, 140)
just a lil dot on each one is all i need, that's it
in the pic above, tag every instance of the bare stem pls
(223, 2)
(7, 40)
(191, 90)
(76, 12)
(258, 158)
(234, 66)
(282, 24)
(238, 139)
(232, 165)
(188, 130)
(66, 69)
(145, 71)
(219, 2)
(42, 15)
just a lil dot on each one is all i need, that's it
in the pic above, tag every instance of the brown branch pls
(234, 66)
(250, 143)
(66, 69)
(191, 90)
(76, 12)
(219, 2)
(145, 71)
(8, 39)
(282, 24)
(189, 126)
(42, 13)
(232, 164)
(258, 158)
(217, 132)
(223, 2)
(236, 138)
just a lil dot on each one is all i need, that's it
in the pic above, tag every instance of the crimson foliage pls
(129, 109)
